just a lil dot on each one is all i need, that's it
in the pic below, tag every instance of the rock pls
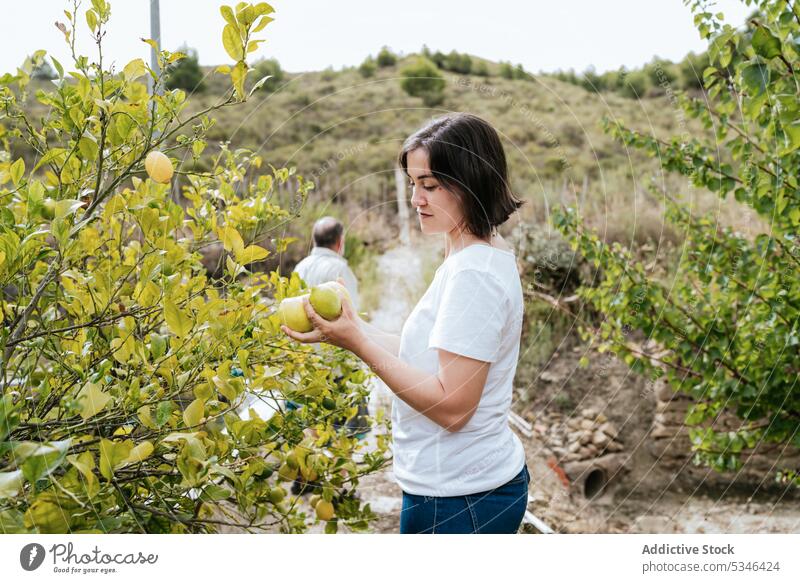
(599, 438)
(614, 446)
(601, 418)
(547, 377)
(539, 428)
(585, 452)
(659, 431)
(586, 424)
(589, 413)
(585, 437)
(573, 447)
(609, 429)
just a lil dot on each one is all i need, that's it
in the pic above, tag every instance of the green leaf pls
(265, 20)
(252, 46)
(92, 400)
(91, 20)
(84, 463)
(139, 453)
(227, 14)
(134, 70)
(10, 483)
(251, 254)
(45, 459)
(178, 322)
(88, 149)
(112, 455)
(259, 84)
(194, 412)
(756, 77)
(238, 75)
(792, 133)
(16, 171)
(231, 239)
(232, 41)
(765, 43)
(264, 8)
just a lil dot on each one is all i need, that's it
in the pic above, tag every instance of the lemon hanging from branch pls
(159, 168)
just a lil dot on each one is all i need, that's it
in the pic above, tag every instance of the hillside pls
(346, 130)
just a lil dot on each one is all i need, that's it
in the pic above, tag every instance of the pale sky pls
(543, 35)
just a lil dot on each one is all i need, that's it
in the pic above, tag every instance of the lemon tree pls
(126, 370)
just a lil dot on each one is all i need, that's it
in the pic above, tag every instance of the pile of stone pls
(670, 443)
(580, 436)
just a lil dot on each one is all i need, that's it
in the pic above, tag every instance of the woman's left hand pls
(344, 332)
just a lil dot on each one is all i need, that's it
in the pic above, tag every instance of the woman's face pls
(438, 210)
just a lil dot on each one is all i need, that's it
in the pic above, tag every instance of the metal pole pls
(155, 34)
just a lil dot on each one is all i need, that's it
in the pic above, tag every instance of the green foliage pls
(481, 69)
(269, 68)
(509, 71)
(185, 73)
(691, 70)
(726, 323)
(423, 79)
(633, 84)
(126, 370)
(386, 58)
(368, 67)
(661, 73)
(453, 61)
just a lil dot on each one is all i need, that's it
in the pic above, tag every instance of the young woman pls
(461, 468)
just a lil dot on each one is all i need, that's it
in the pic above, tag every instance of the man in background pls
(326, 261)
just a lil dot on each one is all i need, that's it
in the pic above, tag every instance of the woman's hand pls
(344, 332)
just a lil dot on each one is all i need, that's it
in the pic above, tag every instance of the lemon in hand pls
(292, 312)
(326, 302)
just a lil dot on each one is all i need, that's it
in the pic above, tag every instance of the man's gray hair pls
(327, 232)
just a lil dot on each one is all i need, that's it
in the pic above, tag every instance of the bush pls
(368, 67)
(422, 79)
(661, 74)
(634, 84)
(272, 67)
(506, 70)
(386, 58)
(691, 70)
(480, 69)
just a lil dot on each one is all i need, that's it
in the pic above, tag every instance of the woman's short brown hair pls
(467, 158)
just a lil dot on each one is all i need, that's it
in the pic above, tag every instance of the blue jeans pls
(497, 511)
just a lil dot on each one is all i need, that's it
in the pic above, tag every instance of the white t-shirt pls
(473, 307)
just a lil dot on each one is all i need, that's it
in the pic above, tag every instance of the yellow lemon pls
(326, 302)
(324, 510)
(292, 313)
(340, 289)
(158, 167)
(49, 209)
(277, 495)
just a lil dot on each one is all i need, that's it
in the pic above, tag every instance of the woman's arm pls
(389, 342)
(448, 398)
